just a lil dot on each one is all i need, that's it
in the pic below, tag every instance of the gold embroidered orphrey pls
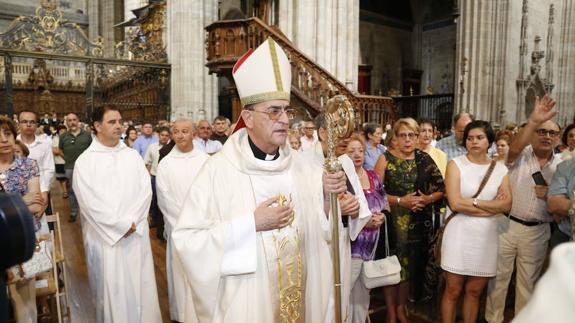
(289, 274)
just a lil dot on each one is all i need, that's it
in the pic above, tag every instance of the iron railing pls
(436, 107)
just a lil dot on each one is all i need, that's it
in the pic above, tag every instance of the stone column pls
(107, 29)
(495, 41)
(193, 90)
(482, 38)
(93, 19)
(327, 31)
(417, 33)
(564, 92)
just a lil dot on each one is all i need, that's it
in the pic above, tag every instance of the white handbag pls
(41, 261)
(381, 272)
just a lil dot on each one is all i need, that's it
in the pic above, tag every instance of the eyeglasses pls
(28, 122)
(404, 136)
(545, 132)
(274, 112)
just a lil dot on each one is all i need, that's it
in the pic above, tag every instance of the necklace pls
(364, 179)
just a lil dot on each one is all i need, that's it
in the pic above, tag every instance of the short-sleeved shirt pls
(563, 183)
(15, 178)
(526, 205)
(74, 146)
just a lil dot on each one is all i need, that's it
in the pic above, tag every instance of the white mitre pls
(263, 74)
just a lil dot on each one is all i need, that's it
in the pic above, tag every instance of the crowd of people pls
(245, 209)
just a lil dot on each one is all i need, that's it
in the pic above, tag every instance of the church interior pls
(163, 60)
(167, 59)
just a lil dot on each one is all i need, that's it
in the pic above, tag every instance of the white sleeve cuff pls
(357, 224)
(240, 253)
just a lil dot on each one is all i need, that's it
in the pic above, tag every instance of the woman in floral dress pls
(20, 175)
(413, 184)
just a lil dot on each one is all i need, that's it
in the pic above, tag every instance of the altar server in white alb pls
(174, 178)
(250, 235)
(113, 190)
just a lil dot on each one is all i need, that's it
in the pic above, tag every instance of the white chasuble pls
(113, 190)
(237, 274)
(174, 177)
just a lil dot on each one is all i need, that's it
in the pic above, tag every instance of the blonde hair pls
(356, 137)
(407, 122)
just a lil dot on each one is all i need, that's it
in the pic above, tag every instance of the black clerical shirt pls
(259, 154)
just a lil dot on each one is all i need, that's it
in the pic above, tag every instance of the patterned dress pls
(362, 247)
(15, 178)
(410, 232)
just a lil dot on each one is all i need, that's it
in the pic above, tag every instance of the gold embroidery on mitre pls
(267, 96)
(276, 65)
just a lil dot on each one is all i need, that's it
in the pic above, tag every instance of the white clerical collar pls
(260, 154)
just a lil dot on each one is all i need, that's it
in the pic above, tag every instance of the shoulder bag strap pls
(386, 240)
(485, 178)
(481, 186)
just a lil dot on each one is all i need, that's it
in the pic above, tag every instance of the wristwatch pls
(475, 203)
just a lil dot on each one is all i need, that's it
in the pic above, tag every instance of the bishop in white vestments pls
(252, 232)
(113, 190)
(174, 177)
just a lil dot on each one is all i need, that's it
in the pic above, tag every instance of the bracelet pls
(431, 197)
(398, 200)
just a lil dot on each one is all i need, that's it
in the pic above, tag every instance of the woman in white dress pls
(469, 249)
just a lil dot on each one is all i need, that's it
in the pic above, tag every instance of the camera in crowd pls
(17, 239)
